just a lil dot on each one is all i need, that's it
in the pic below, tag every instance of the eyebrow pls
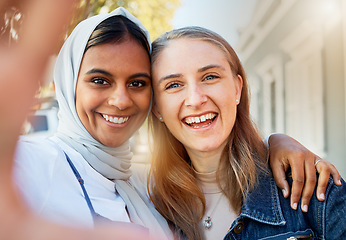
(97, 70)
(174, 75)
(141, 75)
(209, 67)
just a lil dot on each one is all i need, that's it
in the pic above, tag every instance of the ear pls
(238, 81)
(156, 111)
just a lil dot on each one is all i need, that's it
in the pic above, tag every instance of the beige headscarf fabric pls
(112, 163)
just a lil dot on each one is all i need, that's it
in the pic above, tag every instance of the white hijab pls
(112, 163)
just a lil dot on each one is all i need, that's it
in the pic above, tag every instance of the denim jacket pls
(266, 214)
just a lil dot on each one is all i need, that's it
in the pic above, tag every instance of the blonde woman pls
(210, 178)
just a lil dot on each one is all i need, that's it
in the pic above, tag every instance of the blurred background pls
(294, 53)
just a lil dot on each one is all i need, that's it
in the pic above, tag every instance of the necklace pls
(207, 222)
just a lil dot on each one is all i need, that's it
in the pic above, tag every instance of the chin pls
(203, 148)
(207, 147)
(112, 143)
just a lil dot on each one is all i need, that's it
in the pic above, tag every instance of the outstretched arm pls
(22, 65)
(286, 152)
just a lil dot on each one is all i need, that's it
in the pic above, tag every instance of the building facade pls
(294, 53)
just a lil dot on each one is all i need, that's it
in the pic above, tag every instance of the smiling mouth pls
(200, 121)
(113, 119)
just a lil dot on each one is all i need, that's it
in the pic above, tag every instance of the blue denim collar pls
(262, 203)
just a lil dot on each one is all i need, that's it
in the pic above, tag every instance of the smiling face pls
(196, 94)
(113, 91)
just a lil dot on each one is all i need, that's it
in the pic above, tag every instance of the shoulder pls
(333, 189)
(266, 204)
(35, 166)
(324, 216)
(335, 199)
(36, 159)
(38, 162)
(334, 210)
(36, 150)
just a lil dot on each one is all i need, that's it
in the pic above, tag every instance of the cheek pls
(225, 98)
(165, 105)
(78, 104)
(82, 109)
(85, 102)
(142, 100)
(158, 99)
(80, 98)
(226, 93)
(229, 117)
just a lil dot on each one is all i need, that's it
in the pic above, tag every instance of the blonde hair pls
(173, 187)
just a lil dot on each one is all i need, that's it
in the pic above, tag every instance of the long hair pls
(117, 29)
(173, 187)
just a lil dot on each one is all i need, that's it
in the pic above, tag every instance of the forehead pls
(127, 53)
(192, 45)
(187, 54)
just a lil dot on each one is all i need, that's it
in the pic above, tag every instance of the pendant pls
(207, 222)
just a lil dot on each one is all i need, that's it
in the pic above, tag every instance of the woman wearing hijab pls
(22, 67)
(102, 81)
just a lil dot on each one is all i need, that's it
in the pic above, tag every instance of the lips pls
(200, 121)
(114, 119)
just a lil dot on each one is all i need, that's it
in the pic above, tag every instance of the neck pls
(205, 162)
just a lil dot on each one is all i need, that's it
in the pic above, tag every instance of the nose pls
(195, 96)
(120, 98)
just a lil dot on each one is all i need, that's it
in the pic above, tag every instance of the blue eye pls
(210, 77)
(137, 84)
(173, 85)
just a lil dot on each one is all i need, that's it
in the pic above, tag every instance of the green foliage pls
(155, 15)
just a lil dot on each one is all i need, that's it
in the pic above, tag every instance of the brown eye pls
(99, 81)
(137, 84)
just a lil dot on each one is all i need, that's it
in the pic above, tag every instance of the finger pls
(5, 3)
(280, 177)
(310, 183)
(2, 4)
(336, 175)
(324, 172)
(298, 177)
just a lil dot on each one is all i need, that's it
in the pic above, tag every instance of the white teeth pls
(200, 119)
(202, 126)
(115, 119)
